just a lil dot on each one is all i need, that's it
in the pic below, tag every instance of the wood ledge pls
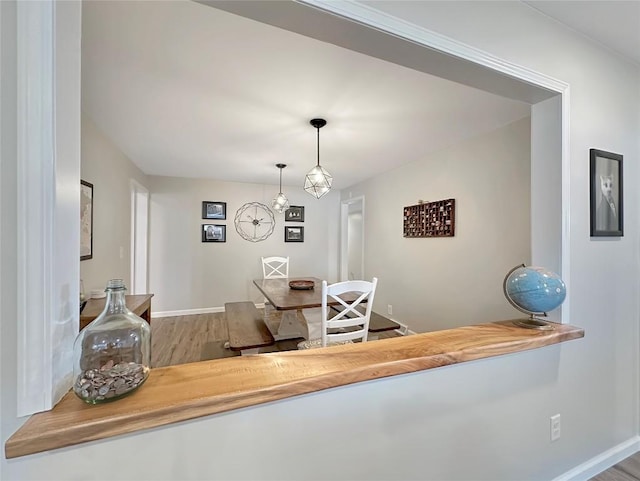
(178, 393)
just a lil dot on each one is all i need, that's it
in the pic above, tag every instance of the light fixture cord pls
(318, 129)
(281, 180)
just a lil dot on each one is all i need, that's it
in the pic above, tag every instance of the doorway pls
(352, 239)
(139, 237)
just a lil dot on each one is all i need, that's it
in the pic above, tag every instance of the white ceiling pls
(184, 89)
(188, 90)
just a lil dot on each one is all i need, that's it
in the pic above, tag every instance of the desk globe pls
(534, 291)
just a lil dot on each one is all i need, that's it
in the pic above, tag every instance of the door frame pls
(344, 235)
(139, 239)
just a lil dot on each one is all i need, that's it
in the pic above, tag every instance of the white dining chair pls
(275, 267)
(344, 323)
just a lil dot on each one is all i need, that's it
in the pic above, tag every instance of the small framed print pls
(294, 234)
(295, 213)
(606, 193)
(214, 233)
(214, 210)
(86, 220)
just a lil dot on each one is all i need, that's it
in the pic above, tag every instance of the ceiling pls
(187, 90)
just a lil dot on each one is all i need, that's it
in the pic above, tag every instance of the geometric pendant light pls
(318, 181)
(280, 202)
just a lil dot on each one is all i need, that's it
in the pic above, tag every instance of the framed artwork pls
(214, 210)
(86, 220)
(295, 213)
(294, 234)
(606, 194)
(214, 233)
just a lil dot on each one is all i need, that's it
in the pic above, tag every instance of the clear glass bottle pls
(112, 354)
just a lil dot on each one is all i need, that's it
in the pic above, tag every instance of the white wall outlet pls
(121, 252)
(555, 427)
(390, 309)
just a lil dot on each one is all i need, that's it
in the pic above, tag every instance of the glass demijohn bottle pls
(112, 354)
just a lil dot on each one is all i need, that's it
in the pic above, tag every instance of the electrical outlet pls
(555, 427)
(390, 309)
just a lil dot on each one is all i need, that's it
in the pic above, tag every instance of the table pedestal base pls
(284, 324)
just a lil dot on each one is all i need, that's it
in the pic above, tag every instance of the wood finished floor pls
(627, 470)
(201, 337)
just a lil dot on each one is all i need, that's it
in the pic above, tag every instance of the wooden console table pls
(139, 304)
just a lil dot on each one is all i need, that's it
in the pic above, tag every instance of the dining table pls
(293, 301)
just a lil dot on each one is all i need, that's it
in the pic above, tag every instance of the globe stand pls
(532, 322)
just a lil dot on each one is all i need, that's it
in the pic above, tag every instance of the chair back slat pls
(275, 267)
(344, 321)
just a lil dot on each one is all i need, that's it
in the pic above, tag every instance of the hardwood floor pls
(627, 470)
(184, 339)
(201, 337)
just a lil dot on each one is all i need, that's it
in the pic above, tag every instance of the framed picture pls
(295, 213)
(294, 234)
(214, 233)
(214, 210)
(606, 194)
(86, 220)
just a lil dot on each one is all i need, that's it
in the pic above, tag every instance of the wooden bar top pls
(177, 393)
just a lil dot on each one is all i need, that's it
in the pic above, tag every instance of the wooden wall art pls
(430, 219)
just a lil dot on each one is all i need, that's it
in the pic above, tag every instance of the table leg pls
(289, 325)
(250, 352)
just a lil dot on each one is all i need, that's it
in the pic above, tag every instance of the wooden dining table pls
(292, 302)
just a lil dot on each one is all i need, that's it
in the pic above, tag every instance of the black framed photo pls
(86, 220)
(294, 213)
(294, 234)
(606, 193)
(214, 233)
(214, 210)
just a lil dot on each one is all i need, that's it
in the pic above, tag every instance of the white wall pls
(110, 172)
(487, 420)
(186, 273)
(596, 388)
(440, 283)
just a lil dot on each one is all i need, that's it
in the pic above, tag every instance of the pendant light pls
(280, 202)
(318, 180)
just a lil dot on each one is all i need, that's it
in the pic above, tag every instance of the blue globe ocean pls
(535, 289)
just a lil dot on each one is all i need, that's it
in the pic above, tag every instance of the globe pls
(534, 290)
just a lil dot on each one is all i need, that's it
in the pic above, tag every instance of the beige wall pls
(186, 273)
(110, 172)
(439, 283)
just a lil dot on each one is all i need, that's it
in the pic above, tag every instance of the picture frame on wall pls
(214, 210)
(294, 213)
(606, 184)
(86, 220)
(294, 233)
(214, 233)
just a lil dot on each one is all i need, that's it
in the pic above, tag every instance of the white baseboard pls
(186, 312)
(599, 463)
